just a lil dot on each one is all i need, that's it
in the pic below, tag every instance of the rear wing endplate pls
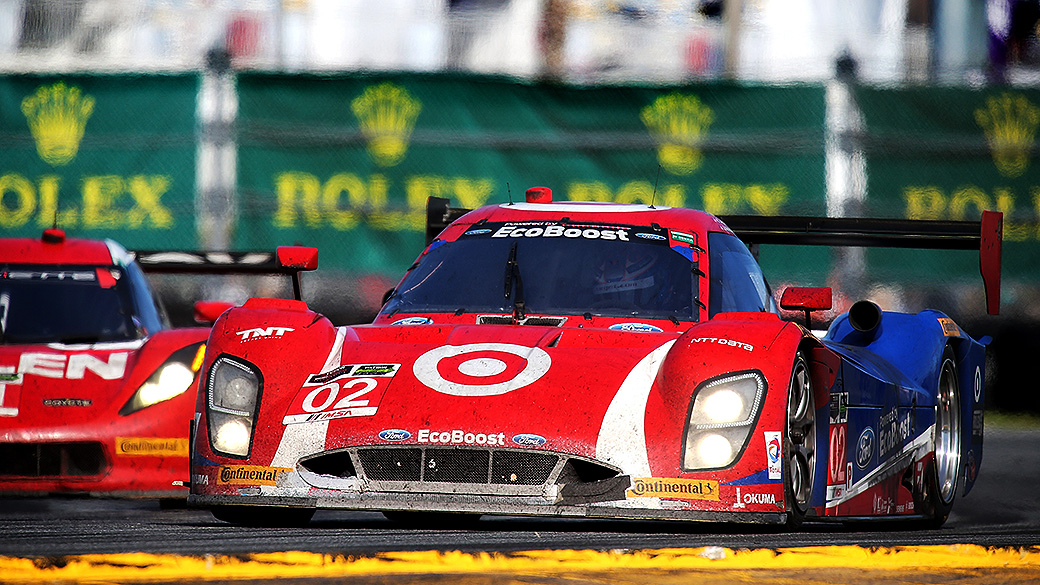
(985, 235)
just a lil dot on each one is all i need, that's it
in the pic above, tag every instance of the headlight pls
(170, 380)
(232, 394)
(722, 416)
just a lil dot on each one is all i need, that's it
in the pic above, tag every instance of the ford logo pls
(865, 448)
(529, 440)
(395, 435)
(641, 327)
(413, 321)
(651, 236)
(477, 232)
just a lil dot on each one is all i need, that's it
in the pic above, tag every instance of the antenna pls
(509, 193)
(654, 196)
(55, 224)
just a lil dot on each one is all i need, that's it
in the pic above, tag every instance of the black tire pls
(264, 516)
(943, 477)
(799, 456)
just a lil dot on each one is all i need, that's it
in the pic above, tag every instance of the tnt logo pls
(262, 333)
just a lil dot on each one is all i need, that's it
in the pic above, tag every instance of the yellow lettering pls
(289, 186)
(99, 194)
(25, 201)
(330, 196)
(472, 193)
(721, 198)
(1013, 232)
(924, 202)
(146, 192)
(589, 192)
(767, 199)
(49, 214)
(964, 197)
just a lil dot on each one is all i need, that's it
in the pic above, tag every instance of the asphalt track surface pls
(992, 536)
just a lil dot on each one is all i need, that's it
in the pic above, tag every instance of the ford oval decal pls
(529, 440)
(651, 236)
(641, 327)
(395, 435)
(477, 232)
(865, 448)
(413, 321)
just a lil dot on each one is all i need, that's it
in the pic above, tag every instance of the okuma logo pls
(387, 114)
(678, 123)
(1009, 122)
(57, 116)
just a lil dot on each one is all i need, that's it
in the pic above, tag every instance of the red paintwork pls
(59, 400)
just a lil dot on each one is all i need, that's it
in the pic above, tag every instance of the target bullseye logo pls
(481, 369)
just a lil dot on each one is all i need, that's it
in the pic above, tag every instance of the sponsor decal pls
(262, 333)
(773, 453)
(971, 470)
(557, 231)
(394, 435)
(949, 327)
(413, 321)
(663, 487)
(249, 475)
(529, 440)
(10, 391)
(892, 432)
(73, 367)
(839, 407)
(151, 446)
(481, 369)
(742, 500)
(721, 341)
(460, 437)
(837, 455)
(200, 479)
(865, 448)
(67, 402)
(347, 391)
(978, 424)
(637, 327)
(647, 236)
(684, 238)
(477, 232)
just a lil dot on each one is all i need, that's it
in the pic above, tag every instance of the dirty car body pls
(587, 360)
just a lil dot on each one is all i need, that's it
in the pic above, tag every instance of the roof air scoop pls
(539, 195)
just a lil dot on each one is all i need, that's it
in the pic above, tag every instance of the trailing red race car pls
(598, 360)
(93, 379)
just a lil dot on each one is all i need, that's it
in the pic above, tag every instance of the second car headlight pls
(232, 395)
(169, 380)
(722, 416)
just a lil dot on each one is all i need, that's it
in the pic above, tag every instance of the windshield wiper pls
(513, 271)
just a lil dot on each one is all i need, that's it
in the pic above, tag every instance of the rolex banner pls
(946, 154)
(99, 156)
(346, 163)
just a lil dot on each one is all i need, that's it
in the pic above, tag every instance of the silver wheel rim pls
(801, 436)
(947, 434)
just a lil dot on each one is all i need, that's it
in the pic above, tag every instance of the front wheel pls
(945, 472)
(799, 443)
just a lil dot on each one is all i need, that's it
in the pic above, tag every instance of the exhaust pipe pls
(865, 317)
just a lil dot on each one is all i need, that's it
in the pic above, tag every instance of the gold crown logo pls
(57, 116)
(387, 114)
(1009, 122)
(678, 123)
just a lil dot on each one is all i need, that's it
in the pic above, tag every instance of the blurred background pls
(244, 125)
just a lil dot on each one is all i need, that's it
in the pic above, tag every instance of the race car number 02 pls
(348, 401)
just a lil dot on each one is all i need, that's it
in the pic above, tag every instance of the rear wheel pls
(799, 443)
(264, 516)
(941, 486)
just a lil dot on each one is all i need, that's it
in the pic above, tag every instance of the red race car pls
(598, 360)
(93, 379)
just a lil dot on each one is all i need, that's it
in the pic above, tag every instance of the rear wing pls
(985, 235)
(289, 260)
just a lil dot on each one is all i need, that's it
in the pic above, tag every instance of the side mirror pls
(207, 312)
(807, 299)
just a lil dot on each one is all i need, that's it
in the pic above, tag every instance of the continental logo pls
(387, 115)
(57, 116)
(949, 327)
(249, 475)
(1009, 122)
(686, 489)
(678, 123)
(150, 446)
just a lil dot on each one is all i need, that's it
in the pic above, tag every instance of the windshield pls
(64, 304)
(553, 269)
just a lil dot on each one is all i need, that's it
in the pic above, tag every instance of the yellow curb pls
(143, 567)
